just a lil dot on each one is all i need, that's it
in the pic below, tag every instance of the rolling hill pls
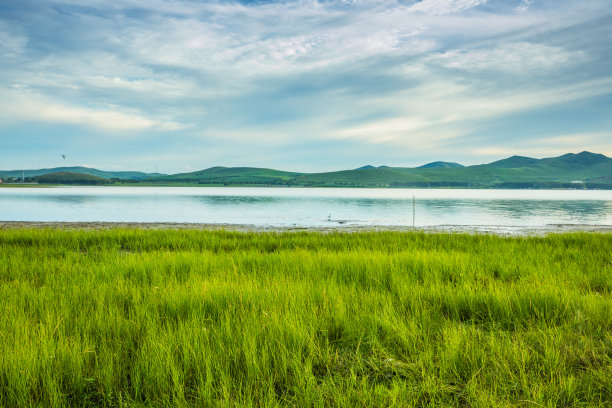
(71, 178)
(582, 170)
(440, 164)
(231, 175)
(579, 171)
(513, 162)
(124, 175)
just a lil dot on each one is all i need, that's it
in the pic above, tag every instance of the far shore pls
(469, 229)
(283, 186)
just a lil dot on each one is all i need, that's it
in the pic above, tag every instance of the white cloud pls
(551, 145)
(417, 133)
(524, 6)
(435, 113)
(517, 57)
(22, 105)
(225, 48)
(12, 42)
(297, 45)
(439, 7)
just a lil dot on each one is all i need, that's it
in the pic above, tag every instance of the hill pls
(578, 171)
(513, 162)
(582, 170)
(440, 164)
(71, 178)
(231, 175)
(123, 175)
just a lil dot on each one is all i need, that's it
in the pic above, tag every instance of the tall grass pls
(188, 318)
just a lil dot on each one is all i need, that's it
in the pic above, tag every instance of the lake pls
(308, 207)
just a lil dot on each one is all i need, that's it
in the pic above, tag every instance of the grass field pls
(213, 318)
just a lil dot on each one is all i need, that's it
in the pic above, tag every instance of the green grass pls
(191, 318)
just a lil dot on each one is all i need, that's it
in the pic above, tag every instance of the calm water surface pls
(308, 207)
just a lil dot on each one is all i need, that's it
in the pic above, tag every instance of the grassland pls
(216, 318)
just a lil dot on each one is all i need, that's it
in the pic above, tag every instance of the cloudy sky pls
(181, 85)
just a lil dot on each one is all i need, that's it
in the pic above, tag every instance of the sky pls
(182, 85)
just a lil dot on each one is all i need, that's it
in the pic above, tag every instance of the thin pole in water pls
(413, 215)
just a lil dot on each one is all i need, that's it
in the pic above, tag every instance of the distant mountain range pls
(125, 175)
(582, 170)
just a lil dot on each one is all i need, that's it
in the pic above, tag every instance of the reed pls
(218, 318)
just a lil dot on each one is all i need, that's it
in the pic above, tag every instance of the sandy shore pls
(483, 229)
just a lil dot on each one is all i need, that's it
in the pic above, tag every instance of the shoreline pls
(469, 229)
(279, 186)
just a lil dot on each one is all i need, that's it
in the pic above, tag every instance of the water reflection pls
(72, 200)
(233, 200)
(520, 208)
(306, 207)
